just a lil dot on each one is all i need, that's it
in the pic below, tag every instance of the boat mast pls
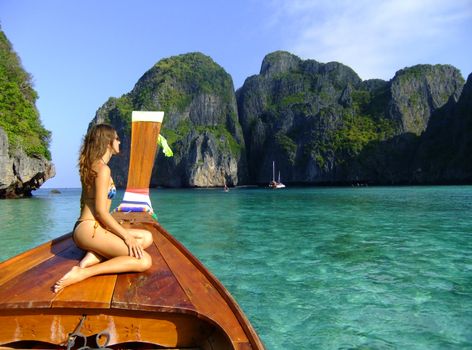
(273, 170)
(145, 125)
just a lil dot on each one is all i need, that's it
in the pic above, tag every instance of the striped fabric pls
(136, 200)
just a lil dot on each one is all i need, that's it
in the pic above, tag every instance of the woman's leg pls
(108, 245)
(114, 265)
(90, 258)
(104, 243)
(143, 236)
(94, 238)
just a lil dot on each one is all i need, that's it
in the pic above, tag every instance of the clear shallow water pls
(313, 268)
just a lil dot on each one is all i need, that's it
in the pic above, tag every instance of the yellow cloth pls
(161, 141)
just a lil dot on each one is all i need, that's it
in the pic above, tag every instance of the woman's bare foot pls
(90, 259)
(76, 274)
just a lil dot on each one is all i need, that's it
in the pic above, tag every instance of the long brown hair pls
(93, 148)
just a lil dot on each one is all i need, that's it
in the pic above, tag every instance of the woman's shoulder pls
(103, 169)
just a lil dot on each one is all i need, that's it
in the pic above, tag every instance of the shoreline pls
(288, 184)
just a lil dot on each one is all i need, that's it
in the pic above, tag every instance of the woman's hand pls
(134, 247)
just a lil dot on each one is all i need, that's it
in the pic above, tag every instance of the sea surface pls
(313, 268)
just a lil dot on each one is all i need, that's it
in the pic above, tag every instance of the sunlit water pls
(313, 268)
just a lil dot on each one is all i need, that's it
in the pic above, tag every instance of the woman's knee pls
(147, 240)
(144, 236)
(145, 262)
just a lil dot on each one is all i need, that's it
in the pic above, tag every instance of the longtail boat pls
(176, 304)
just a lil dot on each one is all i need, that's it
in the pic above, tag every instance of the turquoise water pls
(313, 268)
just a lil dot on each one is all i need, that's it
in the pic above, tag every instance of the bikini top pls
(111, 194)
(111, 189)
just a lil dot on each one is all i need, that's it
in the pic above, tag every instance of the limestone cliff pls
(417, 92)
(200, 124)
(322, 124)
(25, 160)
(19, 173)
(319, 121)
(445, 149)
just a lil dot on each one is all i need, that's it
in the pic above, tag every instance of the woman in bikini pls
(110, 247)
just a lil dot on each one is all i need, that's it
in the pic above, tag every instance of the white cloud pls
(375, 38)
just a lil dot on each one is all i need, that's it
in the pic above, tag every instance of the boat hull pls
(104, 328)
(177, 303)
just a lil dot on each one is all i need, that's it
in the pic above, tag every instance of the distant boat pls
(275, 184)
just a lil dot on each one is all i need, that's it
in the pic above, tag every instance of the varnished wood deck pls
(176, 303)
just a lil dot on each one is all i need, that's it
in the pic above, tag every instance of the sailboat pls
(275, 184)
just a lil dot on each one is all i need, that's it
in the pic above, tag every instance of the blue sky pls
(80, 53)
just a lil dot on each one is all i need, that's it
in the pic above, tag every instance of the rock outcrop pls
(445, 149)
(201, 123)
(19, 173)
(417, 92)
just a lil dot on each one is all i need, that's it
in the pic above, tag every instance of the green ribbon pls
(162, 142)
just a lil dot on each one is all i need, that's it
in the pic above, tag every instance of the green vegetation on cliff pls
(173, 82)
(362, 124)
(18, 114)
(358, 131)
(226, 141)
(359, 126)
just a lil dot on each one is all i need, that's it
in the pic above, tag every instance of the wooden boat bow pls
(176, 304)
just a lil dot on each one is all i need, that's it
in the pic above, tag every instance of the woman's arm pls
(102, 182)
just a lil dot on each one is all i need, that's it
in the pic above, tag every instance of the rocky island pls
(25, 160)
(201, 123)
(320, 122)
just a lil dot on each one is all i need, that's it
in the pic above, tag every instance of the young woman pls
(110, 247)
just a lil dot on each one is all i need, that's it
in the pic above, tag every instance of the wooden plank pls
(207, 300)
(33, 288)
(24, 261)
(143, 150)
(140, 219)
(94, 292)
(155, 290)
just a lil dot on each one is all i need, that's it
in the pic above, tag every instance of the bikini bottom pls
(95, 225)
